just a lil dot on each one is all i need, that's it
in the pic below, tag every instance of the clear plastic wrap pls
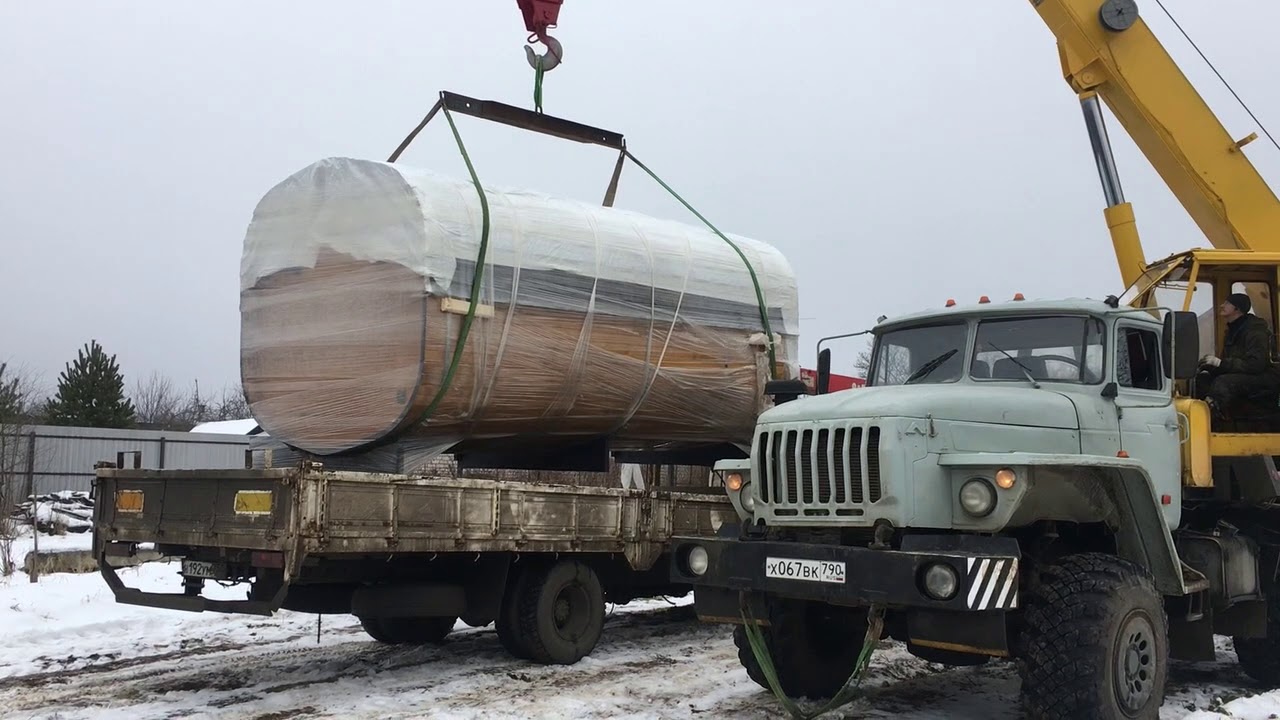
(593, 321)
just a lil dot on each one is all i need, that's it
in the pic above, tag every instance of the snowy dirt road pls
(71, 652)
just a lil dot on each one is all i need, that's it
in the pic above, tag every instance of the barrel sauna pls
(356, 277)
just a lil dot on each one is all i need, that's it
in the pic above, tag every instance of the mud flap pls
(720, 605)
(977, 633)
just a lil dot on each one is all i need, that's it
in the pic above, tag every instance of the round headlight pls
(698, 560)
(747, 500)
(941, 581)
(977, 497)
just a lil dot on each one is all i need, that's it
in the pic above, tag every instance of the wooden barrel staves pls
(593, 321)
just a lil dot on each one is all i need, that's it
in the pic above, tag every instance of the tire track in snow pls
(62, 676)
(233, 669)
(650, 663)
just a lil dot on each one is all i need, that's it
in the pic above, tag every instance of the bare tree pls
(862, 364)
(158, 403)
(232, 404)
(17, 391)
(195, 409)
(229, 404)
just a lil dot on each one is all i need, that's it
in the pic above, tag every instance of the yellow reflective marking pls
(129, 501)
(253, 502)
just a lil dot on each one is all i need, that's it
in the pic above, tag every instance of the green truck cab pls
(1009, 484)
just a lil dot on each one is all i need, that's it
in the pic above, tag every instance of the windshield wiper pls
(930, 366)
(1025, 370)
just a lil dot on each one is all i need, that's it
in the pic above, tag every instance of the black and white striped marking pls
(992, 583)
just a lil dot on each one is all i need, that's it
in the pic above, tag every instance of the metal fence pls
(62, 458)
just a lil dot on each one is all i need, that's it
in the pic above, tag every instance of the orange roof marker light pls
(984, 300)
(951, 303)
(1018, 296)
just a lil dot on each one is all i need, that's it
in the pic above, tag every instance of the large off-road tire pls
(746, 658)
(1260, 657)
(508, 622)
(813, 646)
(373, 626)
(1095, 645)
(408, 630)
(561, 613)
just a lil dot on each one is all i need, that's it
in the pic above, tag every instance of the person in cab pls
(1245, 370)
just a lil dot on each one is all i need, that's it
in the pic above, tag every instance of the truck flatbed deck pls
(392, 548)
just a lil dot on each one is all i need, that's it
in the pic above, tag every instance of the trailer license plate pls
(810, 570)
(202, 569)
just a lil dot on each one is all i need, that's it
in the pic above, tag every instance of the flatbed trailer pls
(407, 555)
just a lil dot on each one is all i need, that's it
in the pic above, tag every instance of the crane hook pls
(548, 61)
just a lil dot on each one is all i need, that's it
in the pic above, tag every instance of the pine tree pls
(91, 392)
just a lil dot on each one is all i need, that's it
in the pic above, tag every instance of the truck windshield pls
(1057, 349)
(923, 354)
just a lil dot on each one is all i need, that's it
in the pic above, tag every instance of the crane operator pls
(1245, 369)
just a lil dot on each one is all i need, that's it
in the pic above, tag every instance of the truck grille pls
(819, 471)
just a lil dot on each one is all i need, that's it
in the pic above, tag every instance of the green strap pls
(755, 281)
(476, 278)
(847, 693)
(538, 74)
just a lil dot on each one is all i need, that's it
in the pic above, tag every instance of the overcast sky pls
(899, 153)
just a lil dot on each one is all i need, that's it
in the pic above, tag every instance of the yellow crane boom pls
(1108, 51)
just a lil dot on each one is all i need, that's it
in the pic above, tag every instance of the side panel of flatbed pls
(316, 513)
(366, 514)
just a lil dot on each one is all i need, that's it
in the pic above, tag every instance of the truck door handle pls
(1177, 426)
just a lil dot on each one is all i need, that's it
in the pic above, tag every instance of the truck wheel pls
(1260, 657)
(373, 626)
(814, 647)
(561, 613)
(408, 630)
(747, 659)
(1096, 641)
(508, 621)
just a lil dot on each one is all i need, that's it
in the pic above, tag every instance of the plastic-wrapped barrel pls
(356, 278)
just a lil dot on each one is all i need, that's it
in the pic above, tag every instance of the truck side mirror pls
(1180, 345)
(824, 372)
(785, 390)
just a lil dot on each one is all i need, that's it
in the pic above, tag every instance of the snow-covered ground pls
(69, 651)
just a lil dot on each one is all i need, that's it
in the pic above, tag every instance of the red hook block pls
(539, 14)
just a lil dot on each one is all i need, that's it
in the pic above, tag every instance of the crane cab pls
(1199, 281)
